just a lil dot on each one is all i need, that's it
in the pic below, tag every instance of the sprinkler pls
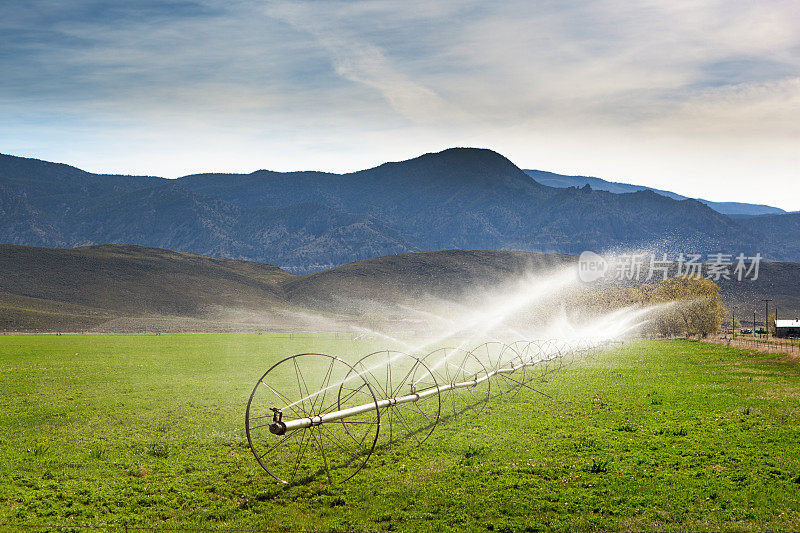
(277, 427)
(333, 415)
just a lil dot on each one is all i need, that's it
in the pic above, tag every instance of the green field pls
(149, 431)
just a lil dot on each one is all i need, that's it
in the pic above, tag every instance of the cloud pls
(362, 62)
(756, 111)
(550, 64)
(618, 62)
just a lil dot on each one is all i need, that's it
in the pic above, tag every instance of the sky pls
(701, 98)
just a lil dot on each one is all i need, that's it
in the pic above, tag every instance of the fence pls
(761, 344)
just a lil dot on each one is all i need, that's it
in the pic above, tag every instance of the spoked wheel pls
(306, 387)
(496, 355)
(394, 374)
(526, 357)
(454, 365)
(501, 355)
(580, 351)
(535, 358)
(550, 358)
(562, 349)
(522, 356)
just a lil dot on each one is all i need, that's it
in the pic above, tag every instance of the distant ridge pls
(727, 208)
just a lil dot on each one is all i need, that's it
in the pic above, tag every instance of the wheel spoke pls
(323, 387)
(300, 382)
(321, 449)
(343, 401)
(301, 455)
(278, 444)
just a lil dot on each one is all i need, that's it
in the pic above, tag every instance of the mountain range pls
(460, 198)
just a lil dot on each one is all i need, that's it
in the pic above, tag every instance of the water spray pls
(314, 414)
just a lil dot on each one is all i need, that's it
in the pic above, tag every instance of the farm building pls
(787, 328)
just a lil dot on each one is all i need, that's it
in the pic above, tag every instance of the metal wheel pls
(522, 349)
(524, 363)
(393, 374)
(454, 365)
(500, 355)
(496, 355)
(563, 348)
(302, 388)
(548, 359)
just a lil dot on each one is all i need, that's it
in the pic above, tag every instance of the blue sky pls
(702, 98)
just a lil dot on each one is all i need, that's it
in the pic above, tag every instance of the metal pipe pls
(300, 423)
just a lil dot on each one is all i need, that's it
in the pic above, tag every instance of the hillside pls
(462, 198)
(778, 281)
(356, 287)
(778, 230)
(132, 288)
(81, 288)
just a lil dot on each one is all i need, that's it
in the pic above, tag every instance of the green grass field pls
(149, 431)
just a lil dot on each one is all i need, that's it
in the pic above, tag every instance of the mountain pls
(777, 281)
(727, 208)
(37, 198)
(125, 288)
(781, 231)
(462, 198)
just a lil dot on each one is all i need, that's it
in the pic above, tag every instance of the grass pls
(148, 431)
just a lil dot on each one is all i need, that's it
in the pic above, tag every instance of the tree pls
(692, 305)
(685, 305)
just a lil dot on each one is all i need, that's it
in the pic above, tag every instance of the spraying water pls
(508, 335)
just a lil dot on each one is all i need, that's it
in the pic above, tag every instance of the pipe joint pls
(277, 426)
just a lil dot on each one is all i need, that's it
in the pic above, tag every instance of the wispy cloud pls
(360, 61)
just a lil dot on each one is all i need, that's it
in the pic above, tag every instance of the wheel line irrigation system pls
(314, 414)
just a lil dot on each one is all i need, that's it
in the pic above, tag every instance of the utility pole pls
(733, 322)
(766, 317)
(754, 324)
